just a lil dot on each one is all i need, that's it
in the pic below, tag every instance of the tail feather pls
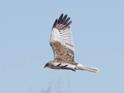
(87, 68)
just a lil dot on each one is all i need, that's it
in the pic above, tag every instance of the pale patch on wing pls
(61, 39)
(63, 36)
(67, 38)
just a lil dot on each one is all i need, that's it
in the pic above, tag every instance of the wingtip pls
(64, 20)
(62, 14)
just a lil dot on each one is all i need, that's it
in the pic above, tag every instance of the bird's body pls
(63, 48)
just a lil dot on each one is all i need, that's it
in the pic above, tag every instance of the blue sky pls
(98, 33)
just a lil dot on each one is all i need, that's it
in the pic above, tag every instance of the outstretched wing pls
(61, 40)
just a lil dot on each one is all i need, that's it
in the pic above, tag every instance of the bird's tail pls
(87, 68)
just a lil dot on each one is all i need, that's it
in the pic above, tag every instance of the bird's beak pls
(46, 65)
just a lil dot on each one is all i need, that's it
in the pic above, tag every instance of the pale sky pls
(98, 34)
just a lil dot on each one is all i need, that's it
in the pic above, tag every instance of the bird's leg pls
(59, 65)
(64, 66)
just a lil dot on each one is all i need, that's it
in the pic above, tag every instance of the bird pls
(63, 47)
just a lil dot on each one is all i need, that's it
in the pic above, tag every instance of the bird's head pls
(48, 64)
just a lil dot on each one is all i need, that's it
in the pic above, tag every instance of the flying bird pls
(63, 47)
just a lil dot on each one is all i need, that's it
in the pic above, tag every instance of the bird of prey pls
(63, 48)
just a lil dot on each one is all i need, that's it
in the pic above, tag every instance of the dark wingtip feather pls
(64, 20)
(60, 18)
(67, 25)
(55, 23)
